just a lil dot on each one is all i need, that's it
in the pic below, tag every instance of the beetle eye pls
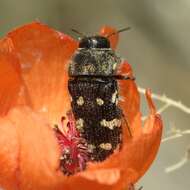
(102, 42)
(85, 43)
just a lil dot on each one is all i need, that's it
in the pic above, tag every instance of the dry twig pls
(176, 133)
(179, 164)
(167, 102)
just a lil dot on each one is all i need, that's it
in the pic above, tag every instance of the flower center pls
(74, 154)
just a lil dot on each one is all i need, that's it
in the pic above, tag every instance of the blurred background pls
(157, 47)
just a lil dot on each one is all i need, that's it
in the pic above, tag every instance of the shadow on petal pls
(10, 81)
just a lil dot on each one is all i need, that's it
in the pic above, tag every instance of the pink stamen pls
(73, 147)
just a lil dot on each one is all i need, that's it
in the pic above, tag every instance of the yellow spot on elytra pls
(80, 124)
(114, 97)
(80, 101)
(91, 148)
(106, 146)
(111, 124)
(114, 66)
(99, 101)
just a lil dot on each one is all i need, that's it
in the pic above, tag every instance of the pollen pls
(80, 101)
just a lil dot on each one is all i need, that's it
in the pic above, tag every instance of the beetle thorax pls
(94, 61)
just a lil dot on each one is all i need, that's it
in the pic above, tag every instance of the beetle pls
(94, 90)
(95, 116)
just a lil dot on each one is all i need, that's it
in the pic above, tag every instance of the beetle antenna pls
(119, 31)
(78, 32)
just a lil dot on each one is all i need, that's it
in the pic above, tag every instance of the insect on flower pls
(93, 87)
(39, 88)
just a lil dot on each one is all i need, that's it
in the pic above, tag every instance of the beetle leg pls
(127, 124)
(124, 77)
(132, 187)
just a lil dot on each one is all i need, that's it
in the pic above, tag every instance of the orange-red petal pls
(10, 81)
(130, 99)
(31, 154)
(106, 31)
(43, 55)
(143, 147)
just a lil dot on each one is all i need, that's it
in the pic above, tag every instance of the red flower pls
(33, 98)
